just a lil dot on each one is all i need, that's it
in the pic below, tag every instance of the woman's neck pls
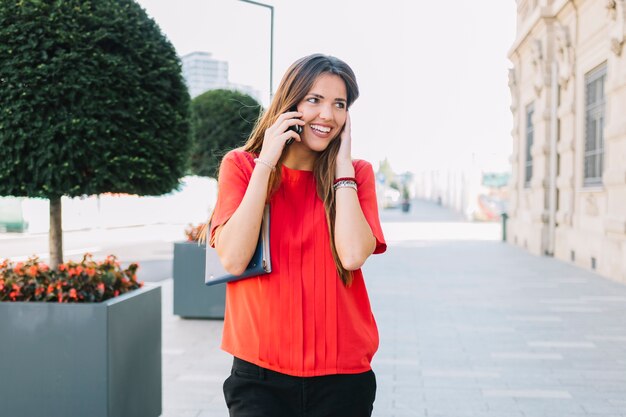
(299, 157)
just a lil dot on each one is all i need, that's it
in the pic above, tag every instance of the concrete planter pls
(193, 299)
(92, 359)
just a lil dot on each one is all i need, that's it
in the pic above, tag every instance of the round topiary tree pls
(221, 120)
(91, 100)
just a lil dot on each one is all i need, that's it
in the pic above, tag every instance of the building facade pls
(202, 73)
(568, 100)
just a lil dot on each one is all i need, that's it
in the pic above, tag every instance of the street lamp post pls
(271, 39)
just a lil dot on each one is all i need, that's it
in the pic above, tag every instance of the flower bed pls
(194, 233)
(87, 281)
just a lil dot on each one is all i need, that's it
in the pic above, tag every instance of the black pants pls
(252, 391)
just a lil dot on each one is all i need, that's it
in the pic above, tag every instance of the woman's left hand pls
(344, 166)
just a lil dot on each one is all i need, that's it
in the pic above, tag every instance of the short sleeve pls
(366, 183)
(232, 182)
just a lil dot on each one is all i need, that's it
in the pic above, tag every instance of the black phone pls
(296, 128)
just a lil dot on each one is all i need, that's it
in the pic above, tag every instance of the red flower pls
(116, 293)
(44, 268)
(32, 271)
(73, 293)
(38, 291)
(79, 270)
(15, 293)
(1, 284)
(90, 272)
(101, 287)
(62, 267)
(60, 298)
(71, 272)
(50, 288)
(18, 268)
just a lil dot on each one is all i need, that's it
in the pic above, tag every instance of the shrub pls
(92, 101)
(221, 120)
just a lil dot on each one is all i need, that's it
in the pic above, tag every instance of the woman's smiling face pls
(324, 109)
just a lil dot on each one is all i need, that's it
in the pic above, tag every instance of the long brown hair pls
(294, 86)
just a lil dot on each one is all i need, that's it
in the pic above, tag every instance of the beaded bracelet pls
(267, 164)
(344, 179)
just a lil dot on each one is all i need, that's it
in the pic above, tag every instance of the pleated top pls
(300, 319)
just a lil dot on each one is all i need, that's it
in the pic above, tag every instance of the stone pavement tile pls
(605, 375)
(526, 356)
(486, 413)
(619, 402)
(453, 412)
(528, 393)
(526, 382)
(394, 412)
(383, 401)
(549, 344)
(602, 415)
(608, 338)
(449, 383)
(548, 407)
(180, 413)
(601, 407)
(460, 373)
(460, 394)
(404, 403)
(408, 394)
(214, 412)
(501, 404)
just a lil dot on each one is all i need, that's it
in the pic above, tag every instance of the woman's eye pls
(312, 99)
(341, 105)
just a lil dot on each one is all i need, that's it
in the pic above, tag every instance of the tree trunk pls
(56, 233)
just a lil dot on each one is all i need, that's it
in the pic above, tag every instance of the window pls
(594, 126)
(530, 110)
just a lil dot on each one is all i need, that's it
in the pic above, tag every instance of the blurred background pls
(433, 114)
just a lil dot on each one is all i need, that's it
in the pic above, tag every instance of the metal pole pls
(271, 52)
(271, 40)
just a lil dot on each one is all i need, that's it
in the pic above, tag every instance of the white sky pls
(432, 74)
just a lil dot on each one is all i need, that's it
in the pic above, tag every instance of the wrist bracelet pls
(345, 183)
(344, 179)
(267, 164)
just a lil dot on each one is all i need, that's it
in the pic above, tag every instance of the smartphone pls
(296, 128)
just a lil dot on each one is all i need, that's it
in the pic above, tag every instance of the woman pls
(302, 336)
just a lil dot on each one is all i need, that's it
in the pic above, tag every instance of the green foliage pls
(385, 169)
(222, 120)
(92, 100)
(405, 192)
(87, 281)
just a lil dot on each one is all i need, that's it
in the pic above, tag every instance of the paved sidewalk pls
(468, 326)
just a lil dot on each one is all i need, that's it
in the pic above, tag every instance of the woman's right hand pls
(278, 134)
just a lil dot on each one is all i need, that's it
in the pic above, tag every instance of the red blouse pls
(300, 319)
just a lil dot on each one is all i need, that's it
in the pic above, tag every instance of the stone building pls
(568, 100)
